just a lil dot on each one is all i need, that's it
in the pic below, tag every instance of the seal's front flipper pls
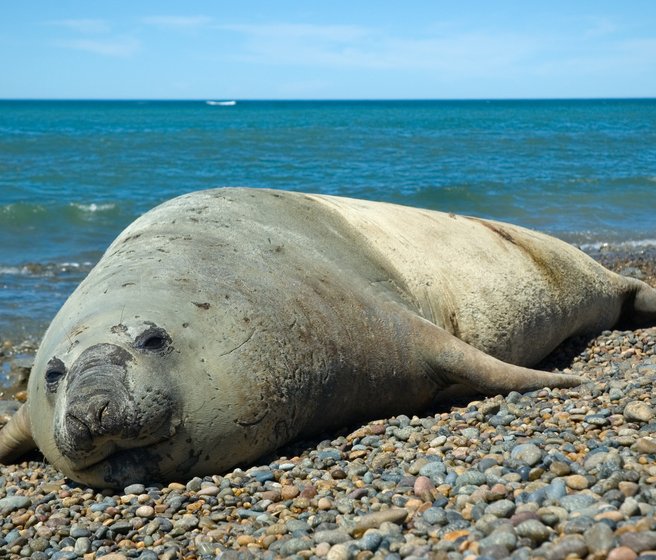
(16, 436)
(454, 362)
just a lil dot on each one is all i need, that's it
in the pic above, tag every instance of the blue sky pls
(360, 49)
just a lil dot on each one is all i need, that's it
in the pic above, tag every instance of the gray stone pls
(134, 489)
(527, 453)
(295, 545)
(573, 545)
(501, 420)
(471, 476)
(331, 536)
(599, 538)
(501, 508)
(13, 503)
(78, 531)
(370, 540)
(435, 470)
(435, 516)
(505, 537)
(82, 546)
(533, 529)
(639, 541)
(577, 502)
(638, 411)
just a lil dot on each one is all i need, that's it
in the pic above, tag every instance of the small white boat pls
(221, 103)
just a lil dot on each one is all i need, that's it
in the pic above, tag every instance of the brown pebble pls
(497, 492)
(338, 474)
(145, 511)
(309, 491)
(289, 492)
(423, 486)
(646, 445)
(266, 541)
(272, 495)
(621, 553)
(455, 535)
(628, 488)
(638, 411)
(376, 519)
(615, 516)
(377, 429)
(243, 540)
(115, 556)
(576, 482)
(523, 516)
(560, 468)
(413, 504)
(208, 491)
(324, 503)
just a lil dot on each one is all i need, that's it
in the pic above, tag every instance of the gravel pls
(552, 474)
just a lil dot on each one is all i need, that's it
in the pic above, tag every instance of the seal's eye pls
(155, 339)
(153, 343)
(55, 372)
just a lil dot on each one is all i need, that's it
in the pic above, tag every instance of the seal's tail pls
(16, 437)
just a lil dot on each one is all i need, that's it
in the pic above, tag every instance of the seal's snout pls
(99, 406)
(93, 419)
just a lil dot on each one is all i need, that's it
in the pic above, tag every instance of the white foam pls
(93, 207)
(45, 270)
(628, 245)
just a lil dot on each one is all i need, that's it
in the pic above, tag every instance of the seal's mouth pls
(122, 466)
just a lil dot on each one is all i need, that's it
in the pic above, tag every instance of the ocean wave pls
(38, 215)
(34, 269)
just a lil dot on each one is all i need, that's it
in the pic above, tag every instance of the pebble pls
(555, 474)
(576, 482)
(527, 453)
(622, 553)
(599, 539)
(638, 411)
(13, 503)
(145, 511)
(376, 519)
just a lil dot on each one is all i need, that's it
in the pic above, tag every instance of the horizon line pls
(327, 99)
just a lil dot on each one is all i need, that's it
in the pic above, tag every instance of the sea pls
(73, 174)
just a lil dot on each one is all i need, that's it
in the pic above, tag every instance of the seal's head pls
(103, 408)
(117, 400)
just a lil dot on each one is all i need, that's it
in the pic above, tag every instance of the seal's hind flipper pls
(641, 310)
(454, 362)
(16, 436)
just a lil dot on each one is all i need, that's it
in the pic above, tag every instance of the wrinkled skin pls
(225, 323)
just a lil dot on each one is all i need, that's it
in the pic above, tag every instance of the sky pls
(356, 49)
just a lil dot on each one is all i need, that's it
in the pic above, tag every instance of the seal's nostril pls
(79, 432)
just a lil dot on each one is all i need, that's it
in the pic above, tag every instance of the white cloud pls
(302, 31)
(599, 27)
(84, 26)
(179, 22)
(116, 47)
(347, 46)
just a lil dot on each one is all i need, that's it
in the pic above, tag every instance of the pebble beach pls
(559, 474)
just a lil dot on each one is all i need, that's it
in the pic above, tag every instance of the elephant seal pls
(225, 323)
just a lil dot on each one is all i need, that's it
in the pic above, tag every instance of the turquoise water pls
(73, 174)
